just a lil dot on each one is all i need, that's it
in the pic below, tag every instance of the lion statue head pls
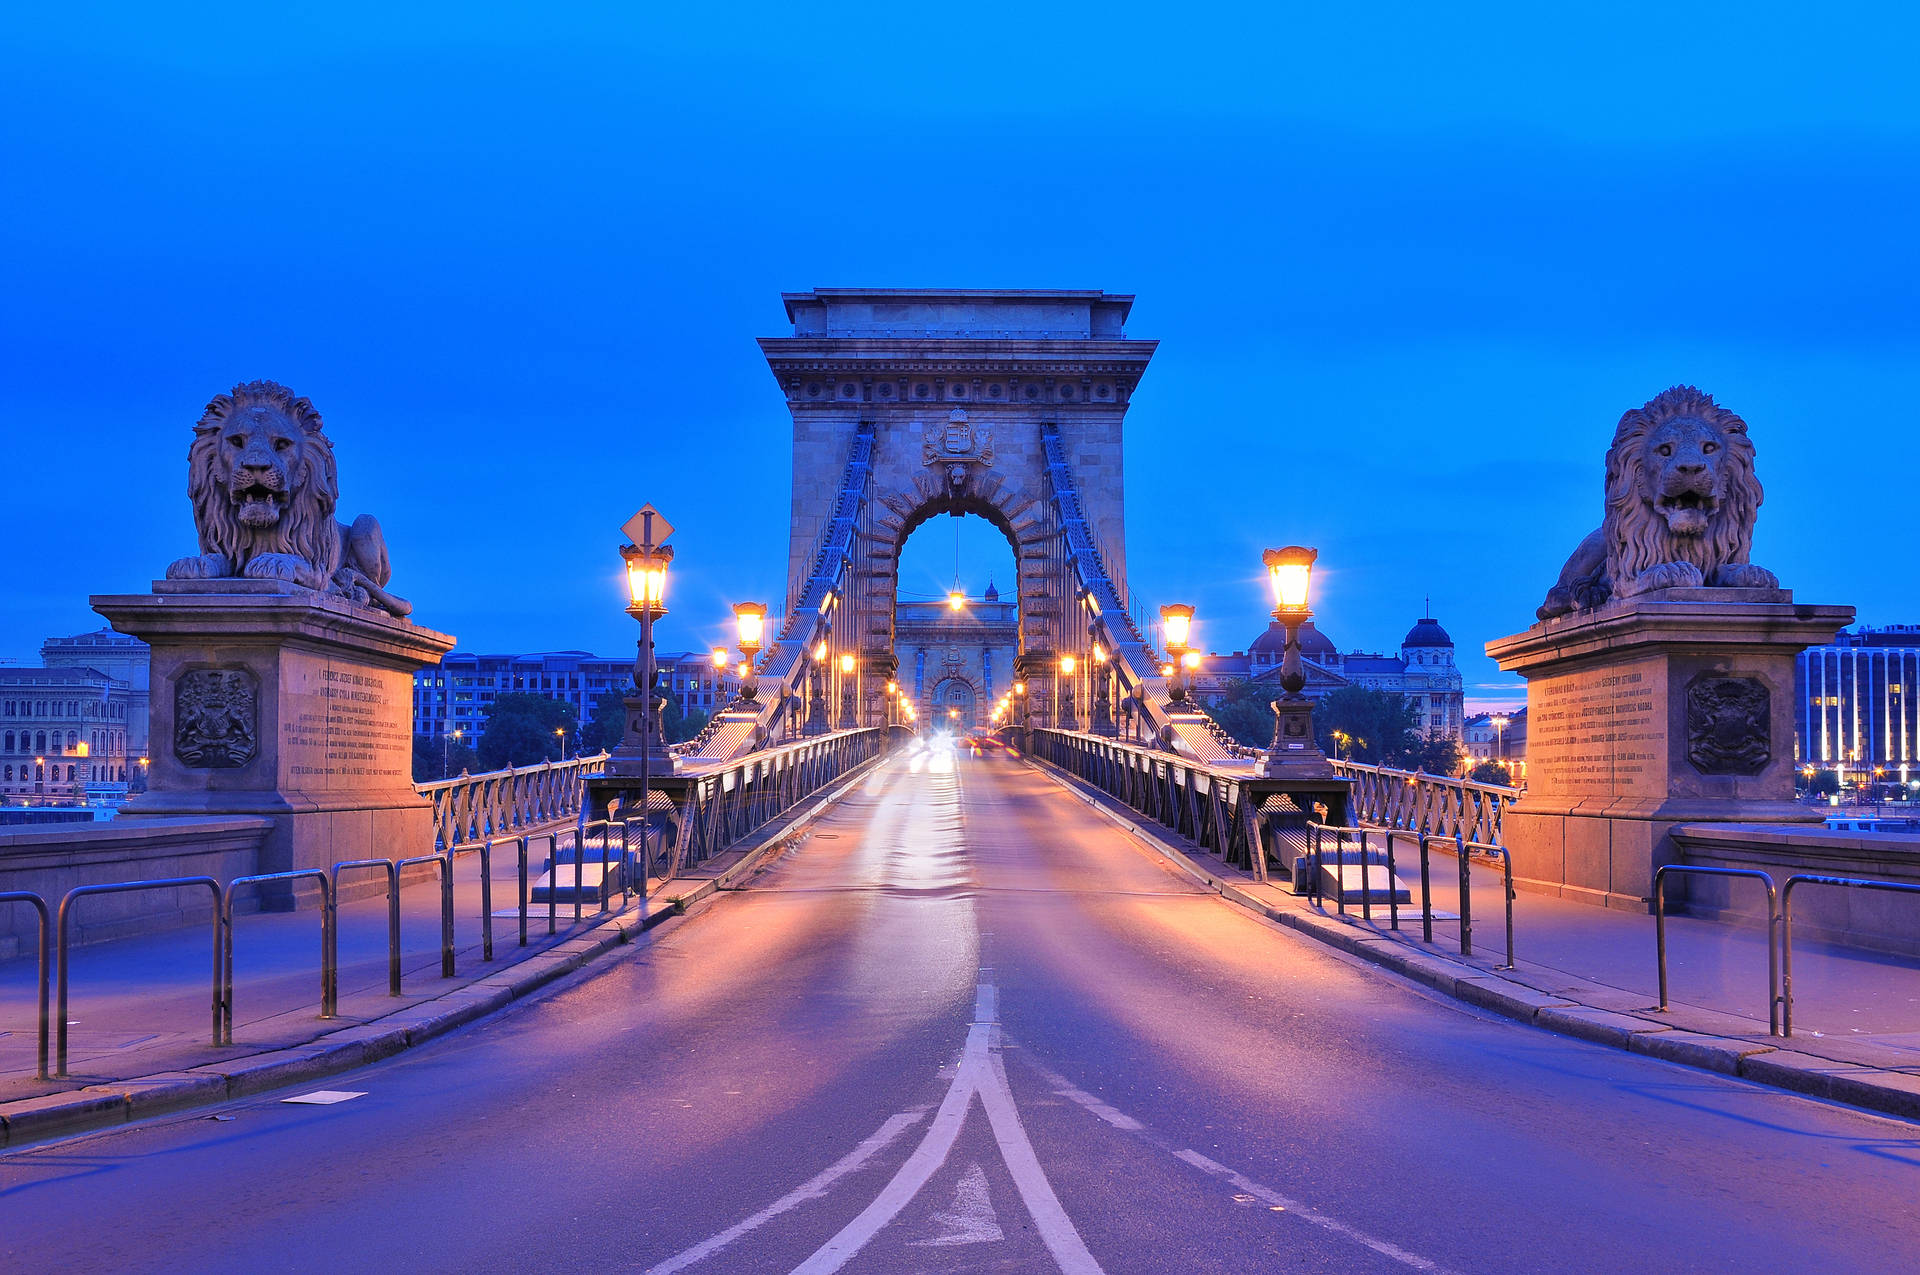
(261, 477)
(1681, 498)
(262, 480)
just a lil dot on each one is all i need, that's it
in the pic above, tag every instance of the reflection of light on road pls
(915, 762)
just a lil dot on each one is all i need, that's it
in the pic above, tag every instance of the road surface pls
(968, 1026)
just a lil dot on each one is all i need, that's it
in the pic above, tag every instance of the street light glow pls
(1290, 575)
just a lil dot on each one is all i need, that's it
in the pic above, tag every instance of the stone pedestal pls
(1670, 707)
(277, 701)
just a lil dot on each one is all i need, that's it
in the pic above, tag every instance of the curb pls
(1893, 1093)
(29, 1120)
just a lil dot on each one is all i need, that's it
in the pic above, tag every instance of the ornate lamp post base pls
(1293, 753)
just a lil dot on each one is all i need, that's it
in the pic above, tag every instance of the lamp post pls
(893, 691)
(750, 626)
(447, 741)
(642, 747)
(560, 733)
(1293, 752)
(1067, 721)
(1500, 736)
(1176, 624)
(817, 700)
(849, 684)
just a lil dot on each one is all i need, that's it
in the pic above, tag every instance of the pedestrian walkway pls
(1592, 972)
(143, 1005)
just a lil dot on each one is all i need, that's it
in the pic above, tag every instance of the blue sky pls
(1407, 266)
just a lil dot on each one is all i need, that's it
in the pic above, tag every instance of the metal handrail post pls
(444, 864)
(393, 914)
(45, 967)
(329, 951)
(1340, 867)
(553, 882)
(1393, 888)
(123, 887)
(1775, 909)
(522, 844)
(1786, 926)
(486, 899)
(1466, 898)
(1426, 890)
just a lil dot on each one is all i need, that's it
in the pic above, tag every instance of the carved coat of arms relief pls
(956, 445)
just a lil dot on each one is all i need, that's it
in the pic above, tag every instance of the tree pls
(607, 725)
(1492, 772)
(1371, 726)
(520, 730)
(1436, 755)
(1246, 712)
(436, 757)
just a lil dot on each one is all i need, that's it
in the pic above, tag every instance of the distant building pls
(1855, 703)
(1499, 737)
(956, 663)
(63, 735)
(1423, 672)
(460, 693)
(125, 659)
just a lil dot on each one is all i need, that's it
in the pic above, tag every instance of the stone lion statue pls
(261, 477)
(1681, 500)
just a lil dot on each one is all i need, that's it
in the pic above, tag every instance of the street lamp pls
(1176, 626)
(750, 626)
(1067, 721)
(560, 733)
(1500, 735)
(847, 691)
(1293, 752)
(642, 745)
(817, 701)
(893, 703)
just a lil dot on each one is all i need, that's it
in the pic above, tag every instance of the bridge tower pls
(961, 401)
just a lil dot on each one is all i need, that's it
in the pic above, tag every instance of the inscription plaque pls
(1598, 732)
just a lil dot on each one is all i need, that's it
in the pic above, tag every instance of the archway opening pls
(956, 619)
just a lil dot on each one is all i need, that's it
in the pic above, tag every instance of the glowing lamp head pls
(750, 622)
(820, 650)
(846, 663)
(1066, 665)
(1176, 622)
(893, 688)
(1019, 688)
(1290, 575)
(745, 668)
(956, 600)
(1099, 655)
(719, 657)
(1191, 660)
(1166, 670)
(647, 577)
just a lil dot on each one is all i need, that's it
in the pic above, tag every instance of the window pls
(9, 747)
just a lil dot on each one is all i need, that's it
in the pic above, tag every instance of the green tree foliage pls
(1492, 772)
(439, 758)
(1246, 712)
(607, 724)
(1824, 783)
(1371, 726)
(520, 730)
(1435, 756)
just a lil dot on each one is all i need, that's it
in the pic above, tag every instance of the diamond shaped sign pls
(648, 528)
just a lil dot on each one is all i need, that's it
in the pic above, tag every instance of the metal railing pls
(393, 912)
(472, 808)
(124, 887)
(329, 944)
(1418, 802)
(1786, 927)
(714, 808)
(1466, 850)
(39, 905)
(1773, 931)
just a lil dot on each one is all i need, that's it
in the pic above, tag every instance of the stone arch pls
(1018, 517)
(956, 691)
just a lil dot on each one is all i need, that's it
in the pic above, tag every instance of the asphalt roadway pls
(969, 1026)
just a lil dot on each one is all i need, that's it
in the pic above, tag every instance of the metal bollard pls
(1466, 897)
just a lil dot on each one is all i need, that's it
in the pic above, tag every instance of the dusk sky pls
(1406, 267)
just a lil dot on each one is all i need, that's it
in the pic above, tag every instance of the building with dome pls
(1423, 671)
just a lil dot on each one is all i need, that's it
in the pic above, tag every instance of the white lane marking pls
(970, 1219)
(979, 1073)
(812, 1189)
(920, 1166)
(1213, 1168)
(1056, 1228)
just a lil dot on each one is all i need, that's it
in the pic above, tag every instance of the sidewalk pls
(141, 1009)
(1590, 972)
